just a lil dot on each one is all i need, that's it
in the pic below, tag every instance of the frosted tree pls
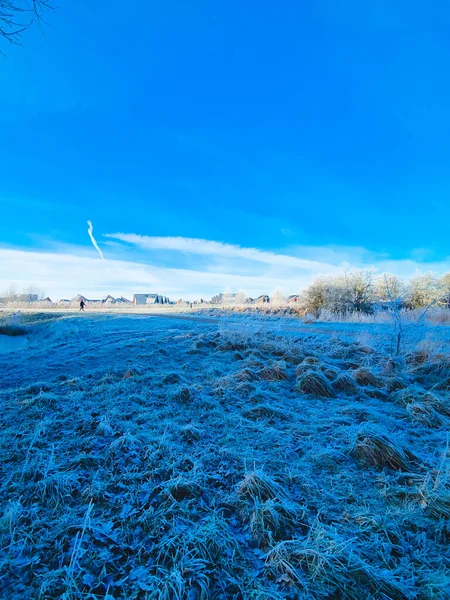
(240, 297)
(444, 283)
(227, 298)
(424, 290)
(314, 298)
(11, 293)
(389, 286)
(277, 297)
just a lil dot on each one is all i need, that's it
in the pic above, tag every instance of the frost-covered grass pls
(153, 458)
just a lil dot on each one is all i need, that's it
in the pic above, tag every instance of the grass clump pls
(314, 383)
(12, 330)
(377, 450)
(257, 484)
(365, 377)
(276, 371)
(424, 414)
(346, 383)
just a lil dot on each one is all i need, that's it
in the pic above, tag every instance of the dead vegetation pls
(314, 383)
(219, 473)
(377, 450)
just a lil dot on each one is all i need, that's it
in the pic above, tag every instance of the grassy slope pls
(147, 458)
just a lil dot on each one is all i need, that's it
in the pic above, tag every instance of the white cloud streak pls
(65, 275)
(94, 241)
(222, 250)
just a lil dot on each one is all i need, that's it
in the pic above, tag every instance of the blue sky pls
(316, 130)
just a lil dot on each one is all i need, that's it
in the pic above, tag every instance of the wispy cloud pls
(93, 240)
(65, 275)
(222, 250)
(64, 270)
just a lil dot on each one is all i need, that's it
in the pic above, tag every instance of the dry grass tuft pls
(190, 433)
(311, 360)
(315, 383)
(443, 385)
(181, 395)
(424, 414)
(265, 411)
(259, 485)
(395, 383)
(246, 375)
(418, 357)
(276, 371)
(439, 405)
(346, 383)
(378, 450)
(331, 373)
(365, 377)
(321, 566)
(407, 395)
(270, 520)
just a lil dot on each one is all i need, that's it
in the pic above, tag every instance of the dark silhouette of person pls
(82, 305)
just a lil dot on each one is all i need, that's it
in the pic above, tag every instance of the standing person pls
(82, 305)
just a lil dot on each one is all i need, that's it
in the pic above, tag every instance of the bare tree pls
(277, 297)
(16, 16)
(423, 291)
(387, 287)
(314, 298)
(240, 297)
(405, 324)
(11, 293)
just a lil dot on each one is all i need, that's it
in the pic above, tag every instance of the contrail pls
(94, 241)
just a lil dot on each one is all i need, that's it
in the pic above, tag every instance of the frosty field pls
(226, 457)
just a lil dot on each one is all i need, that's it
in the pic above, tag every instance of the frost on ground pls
(155, 458)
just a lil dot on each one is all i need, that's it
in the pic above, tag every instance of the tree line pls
(362, 291)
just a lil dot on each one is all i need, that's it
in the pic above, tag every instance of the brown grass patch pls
(315, 383)
(276, 371)
(426, 415)
(346, 383)
(378, 450)
(365, 377)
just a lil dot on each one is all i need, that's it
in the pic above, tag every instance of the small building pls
(80, 297)
(293, 299)
(48, 300)
(150, 299)
(264, 299)
(224, 298)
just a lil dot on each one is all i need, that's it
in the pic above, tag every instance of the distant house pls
(262, 299)
(64, 301)
(79, 298)
(224, 299)
(150, 299)
(111, 300)
(49, 300)
(293, 299)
